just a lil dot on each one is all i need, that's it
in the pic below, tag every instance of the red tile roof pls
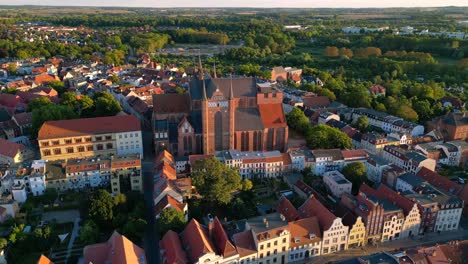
(383, 192)
(44, 260)
(88, 126)
(172, 251)
(171, 103)
(221, 240)
(245, 243)
(313, 207)
(304, 231)
(286, 208)
(272, 115)
(44, 78)
(168, 201)
(117, 250)
(9, 149)
(439, 181)
(11, 100)
(195, 237)
(316, 101)
(353, 154)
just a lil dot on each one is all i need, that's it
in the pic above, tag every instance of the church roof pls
(242, 87)
(248, 119)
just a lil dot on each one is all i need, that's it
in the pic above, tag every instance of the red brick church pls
(219, 114)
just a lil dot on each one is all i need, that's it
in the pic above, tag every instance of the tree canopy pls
(215, 181)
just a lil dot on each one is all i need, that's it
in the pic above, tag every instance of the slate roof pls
(242, 87)
(248, 119)
(171, 103)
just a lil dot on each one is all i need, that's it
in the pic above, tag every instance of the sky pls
(244, 3)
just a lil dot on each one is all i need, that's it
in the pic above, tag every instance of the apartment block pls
(90, 137)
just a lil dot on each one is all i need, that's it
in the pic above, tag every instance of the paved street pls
(151, 239)
(74, 234)
(430, 239)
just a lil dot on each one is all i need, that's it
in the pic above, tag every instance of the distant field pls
(65, 10)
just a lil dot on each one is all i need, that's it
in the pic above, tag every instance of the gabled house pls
(334, 232)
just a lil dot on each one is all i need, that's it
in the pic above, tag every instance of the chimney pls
(210, 228)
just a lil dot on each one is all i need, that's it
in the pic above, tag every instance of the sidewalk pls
(428, 239)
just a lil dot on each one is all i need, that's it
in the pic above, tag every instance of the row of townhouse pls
(410, 161)
(169, 191)
(386, 122)
(451, 153)
(122, 173)
(90, 137)
(287, 235)
(256, 163)
(323, 160)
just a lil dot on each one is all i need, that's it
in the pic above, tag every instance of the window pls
(55, 142)
(46, 152)
(268, 245)
(109, 146)
(89, 148)
(261, 247)
(45, 143)
(284, 240)
(99, 147)
(98, 138)
(78, 140)
(108, 137)
(68, 141)
(57, 151)
(69, 150)
(88, 139)
(81, 149)
(275, 243)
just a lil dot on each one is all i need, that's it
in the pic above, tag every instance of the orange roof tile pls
(196, 238)
(88, 126)
(172, 251)
(313, 207)
(221, 240)
(286, 208)
(245, 243)
(272, 115)
(117, 250)
(304, 231)
(166, 202)
(44, 260)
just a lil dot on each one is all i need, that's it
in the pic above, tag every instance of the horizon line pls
(228, 7)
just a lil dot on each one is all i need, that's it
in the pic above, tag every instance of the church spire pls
(201, 74)
(215, 76)
(231, 92)
(204, 90)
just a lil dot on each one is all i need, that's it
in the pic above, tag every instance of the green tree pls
(49, 113)
(408, 113)
(114, 79)
(180, 90)
(120, 199)
(297, 120)
(362, 123)
(106, 105)
(38, 103)
(101, 207)
(12, 68)
(326, 137)
(3, 242)
(59, 86)
(69, 99)
(215, 181)
(171, 219)
(247, 185)
(356, 173)
(86, 106)
(89, 233)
